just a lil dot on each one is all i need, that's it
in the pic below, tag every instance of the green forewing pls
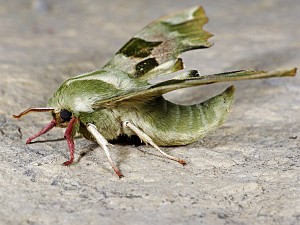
(155, 49)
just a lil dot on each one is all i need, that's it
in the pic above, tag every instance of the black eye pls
(65, 115)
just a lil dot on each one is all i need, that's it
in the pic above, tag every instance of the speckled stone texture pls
(247, 172)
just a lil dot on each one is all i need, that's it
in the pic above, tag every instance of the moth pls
(119, 99)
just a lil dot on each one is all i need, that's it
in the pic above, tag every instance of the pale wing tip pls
(293, 72)
(284, 72)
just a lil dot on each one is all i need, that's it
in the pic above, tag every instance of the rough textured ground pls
(245, 173)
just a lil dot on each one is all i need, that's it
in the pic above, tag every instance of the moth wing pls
(189, 79)
(155, 49)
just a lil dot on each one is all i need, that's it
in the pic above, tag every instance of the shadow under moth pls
(119, 99)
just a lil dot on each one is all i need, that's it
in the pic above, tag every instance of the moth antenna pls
(103, 143)
(143, 136)
(29, 110)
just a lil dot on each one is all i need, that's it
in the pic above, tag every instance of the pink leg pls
(70, 140)
(43, 131)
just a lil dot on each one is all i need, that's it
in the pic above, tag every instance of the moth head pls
(61, 116)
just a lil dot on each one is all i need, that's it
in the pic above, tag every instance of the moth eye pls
(65, 115)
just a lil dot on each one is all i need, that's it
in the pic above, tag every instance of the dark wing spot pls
(138, 48)
(145, 66)
(194, 73)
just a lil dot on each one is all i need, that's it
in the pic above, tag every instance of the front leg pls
(43, 131)
(69, 136)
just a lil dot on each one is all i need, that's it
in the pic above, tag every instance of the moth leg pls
(144, 137)
(103, 143)
(69, 136)
(43, 131)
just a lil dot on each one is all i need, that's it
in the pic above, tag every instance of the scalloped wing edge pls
(155, 49)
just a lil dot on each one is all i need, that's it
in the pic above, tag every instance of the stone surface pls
(247, 172)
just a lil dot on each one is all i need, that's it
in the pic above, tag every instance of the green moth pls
(119, 99)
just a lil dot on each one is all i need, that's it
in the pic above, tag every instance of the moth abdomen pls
(173, 124)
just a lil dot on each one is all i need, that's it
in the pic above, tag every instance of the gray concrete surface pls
(247, 172)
